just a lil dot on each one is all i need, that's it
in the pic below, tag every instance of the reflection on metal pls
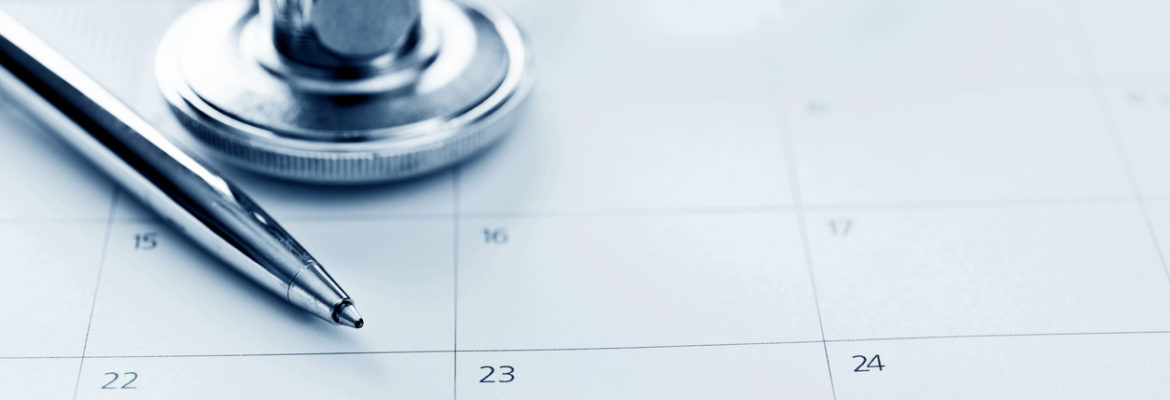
(346, 91)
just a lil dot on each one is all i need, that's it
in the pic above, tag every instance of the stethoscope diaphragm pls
(305, 94)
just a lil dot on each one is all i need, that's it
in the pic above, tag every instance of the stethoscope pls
(344, 91)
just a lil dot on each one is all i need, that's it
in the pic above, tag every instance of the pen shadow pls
(274, 308)
(298, 204)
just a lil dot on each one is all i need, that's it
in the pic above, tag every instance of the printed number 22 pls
(113, 385)
(867, 364)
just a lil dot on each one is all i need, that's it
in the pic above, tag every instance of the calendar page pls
(742, 199)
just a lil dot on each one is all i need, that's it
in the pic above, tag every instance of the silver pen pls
(196, 200)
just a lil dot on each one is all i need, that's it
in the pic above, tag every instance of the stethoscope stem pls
(340, 33)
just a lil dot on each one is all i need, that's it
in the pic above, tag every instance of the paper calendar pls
(742, 199)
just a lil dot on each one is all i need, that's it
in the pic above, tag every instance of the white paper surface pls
(738, 199)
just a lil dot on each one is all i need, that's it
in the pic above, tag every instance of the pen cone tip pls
(348, 315)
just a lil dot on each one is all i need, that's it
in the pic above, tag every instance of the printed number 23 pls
(505, 371)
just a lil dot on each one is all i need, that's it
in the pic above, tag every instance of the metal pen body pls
(194, 199)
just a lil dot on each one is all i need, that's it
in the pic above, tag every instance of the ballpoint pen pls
(195, 199)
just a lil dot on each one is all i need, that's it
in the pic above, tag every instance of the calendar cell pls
(52, 268)
(96, 37)
(1141, 111)
(30, 153)
(632, 135)
(1124, 36)
(600, 281)
(159, 290)
(46, 378)
(990, 270)
(901, 46)
(347, 376)
(574, 154)
(663, 49)
(1051, 367)
(975, 146)
(741, 372)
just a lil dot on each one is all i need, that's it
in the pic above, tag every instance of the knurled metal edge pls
(363, 167)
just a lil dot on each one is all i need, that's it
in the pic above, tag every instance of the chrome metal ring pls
(454, 92)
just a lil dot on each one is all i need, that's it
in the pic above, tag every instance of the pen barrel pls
(194, 199)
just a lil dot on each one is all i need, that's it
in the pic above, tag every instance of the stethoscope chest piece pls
(344, 91)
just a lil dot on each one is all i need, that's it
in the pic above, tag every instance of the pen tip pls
(348, 315)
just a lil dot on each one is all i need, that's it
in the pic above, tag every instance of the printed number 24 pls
(869, 363)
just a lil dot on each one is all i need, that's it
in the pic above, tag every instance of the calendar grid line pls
(615, 348)
(955, 205)
(455, 226)
(645, 347)
(1000, 335)
(54, 220)
(802, 226)
(114, 197)
(989, 85)
(674, 211)
(1113, 129)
